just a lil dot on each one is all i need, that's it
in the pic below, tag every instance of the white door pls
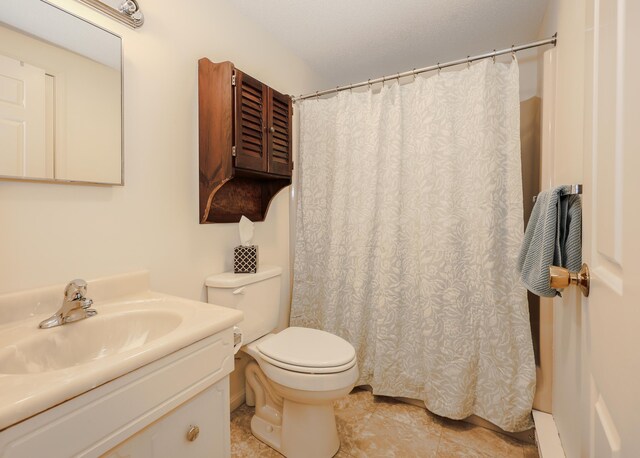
(22, 119)
(612, 228)
(597, 341)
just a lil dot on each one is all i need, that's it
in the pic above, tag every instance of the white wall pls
(52, 233)
(528, 66)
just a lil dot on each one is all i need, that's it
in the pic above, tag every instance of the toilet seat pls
(306, 381)
(308, 351)
(307, 369)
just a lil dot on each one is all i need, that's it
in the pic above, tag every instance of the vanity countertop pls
(41, 368)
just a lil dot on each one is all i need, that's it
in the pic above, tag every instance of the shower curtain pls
(409, 221)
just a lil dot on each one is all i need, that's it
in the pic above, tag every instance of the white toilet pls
(299, 371)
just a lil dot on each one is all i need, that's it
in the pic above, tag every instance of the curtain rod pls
(467, 60)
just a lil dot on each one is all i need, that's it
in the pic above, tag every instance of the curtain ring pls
(513, 53)
(383, 81)
(351, 89)
(414, 74)
(494, 56)
(439, 68)
(369, 83)
(317, 96)
(398, 77)
(468, 62)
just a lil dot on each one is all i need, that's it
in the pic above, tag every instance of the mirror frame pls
(80, 182)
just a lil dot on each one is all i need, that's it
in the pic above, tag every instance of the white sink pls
(40, 368)
(85, 341)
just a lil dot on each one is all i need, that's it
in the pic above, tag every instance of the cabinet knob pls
(193, 433)
(272, 129)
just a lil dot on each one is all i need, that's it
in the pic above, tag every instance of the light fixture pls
(126, 11)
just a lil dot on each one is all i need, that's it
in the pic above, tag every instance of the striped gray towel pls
(553, 237)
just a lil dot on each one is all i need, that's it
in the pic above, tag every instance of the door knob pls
(560, 278)
(272, 129)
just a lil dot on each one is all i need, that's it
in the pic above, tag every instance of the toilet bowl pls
(296, 374)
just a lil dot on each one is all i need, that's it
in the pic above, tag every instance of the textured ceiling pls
(348, 41)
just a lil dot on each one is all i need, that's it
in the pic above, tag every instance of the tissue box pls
(245, 259)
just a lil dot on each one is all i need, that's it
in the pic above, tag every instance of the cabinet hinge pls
(233, 79)
(233, 151)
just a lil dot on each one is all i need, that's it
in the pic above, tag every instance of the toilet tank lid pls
(232, 280)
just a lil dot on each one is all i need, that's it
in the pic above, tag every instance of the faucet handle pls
(75, 290)
(86, 303)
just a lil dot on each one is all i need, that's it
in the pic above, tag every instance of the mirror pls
(60, 96)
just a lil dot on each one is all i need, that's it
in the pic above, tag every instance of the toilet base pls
(307, 431)
(266, 432)
(298, 424)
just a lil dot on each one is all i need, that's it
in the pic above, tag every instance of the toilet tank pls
(257, 295)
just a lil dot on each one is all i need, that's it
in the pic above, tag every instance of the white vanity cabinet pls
(145, 413)
(198, 428)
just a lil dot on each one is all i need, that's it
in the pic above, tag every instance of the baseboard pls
(237, 400)
(549, 445)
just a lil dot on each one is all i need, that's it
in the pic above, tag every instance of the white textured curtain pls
(409, 223)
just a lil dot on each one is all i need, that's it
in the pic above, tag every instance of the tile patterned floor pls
(377, 426)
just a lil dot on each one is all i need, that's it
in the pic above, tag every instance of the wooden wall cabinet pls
(245, 143)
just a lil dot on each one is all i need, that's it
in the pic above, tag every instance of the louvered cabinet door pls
(279, 134)
(251, 113)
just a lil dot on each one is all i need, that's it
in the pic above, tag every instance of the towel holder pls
(574, 189)
(560, 278)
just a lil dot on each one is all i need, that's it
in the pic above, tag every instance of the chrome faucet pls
(75, 306)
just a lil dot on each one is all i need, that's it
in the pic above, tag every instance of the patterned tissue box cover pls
(245, 259)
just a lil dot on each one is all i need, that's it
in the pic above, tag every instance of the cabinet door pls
(279, 133)
(169, 437)
(250, 123)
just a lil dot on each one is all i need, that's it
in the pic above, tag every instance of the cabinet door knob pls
(272, 129)
(193, 433)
